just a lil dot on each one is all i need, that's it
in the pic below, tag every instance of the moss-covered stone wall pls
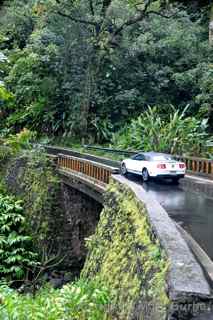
(59, 218)
(125, 257)
(31, 176)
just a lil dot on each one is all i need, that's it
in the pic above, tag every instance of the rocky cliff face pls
(59, 217)
(211, 26)
(81, 216)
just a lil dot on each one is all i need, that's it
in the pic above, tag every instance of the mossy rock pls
(31, 177)
(125, 256)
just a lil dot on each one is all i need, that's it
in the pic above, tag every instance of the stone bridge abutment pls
(81, 214)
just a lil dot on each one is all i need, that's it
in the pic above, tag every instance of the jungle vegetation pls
(86, 69)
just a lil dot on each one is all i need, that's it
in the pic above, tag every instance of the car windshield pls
(162, 158)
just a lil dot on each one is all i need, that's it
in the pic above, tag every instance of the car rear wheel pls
(145, 175)
(123, 169)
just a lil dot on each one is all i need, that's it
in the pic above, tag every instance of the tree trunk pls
(86, 105)
(88, 94)
(211, 26)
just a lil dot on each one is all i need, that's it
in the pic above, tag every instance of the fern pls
(15, 246)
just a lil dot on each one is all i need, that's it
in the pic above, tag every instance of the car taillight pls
(182, 166)
(161, 166)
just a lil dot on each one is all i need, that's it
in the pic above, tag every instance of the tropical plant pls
(4, 95)
(176, 134)
(6, 100)
(21, 140)
(82, 300)
(16, 254)
(103, 130)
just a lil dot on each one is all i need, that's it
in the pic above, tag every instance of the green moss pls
(31, 177)
(5, 156)
(40, 185)
(124, 255)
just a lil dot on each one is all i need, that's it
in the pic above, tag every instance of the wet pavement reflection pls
(191, 209)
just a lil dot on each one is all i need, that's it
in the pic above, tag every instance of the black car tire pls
(145, 175)
(123, 169)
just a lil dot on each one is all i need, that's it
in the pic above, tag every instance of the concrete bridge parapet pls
(186, 278)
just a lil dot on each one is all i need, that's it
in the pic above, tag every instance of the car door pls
(137, 163)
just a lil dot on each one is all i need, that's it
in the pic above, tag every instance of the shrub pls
(15, 246)
(5, 96)
(5, 153)
(151, 131)
(21, 140)
(80, 301)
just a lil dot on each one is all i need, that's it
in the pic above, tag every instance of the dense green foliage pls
(80, 301)
(176, 135)
(20, 141)
(124, 256)
(16, 255)
(84, 71)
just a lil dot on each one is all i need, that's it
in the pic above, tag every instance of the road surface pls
(192, 210)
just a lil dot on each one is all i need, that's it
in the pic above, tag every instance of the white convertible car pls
(155, 165)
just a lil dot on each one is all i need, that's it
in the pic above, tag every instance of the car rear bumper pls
(170, 176)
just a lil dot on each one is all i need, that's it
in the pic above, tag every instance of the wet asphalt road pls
(193, 211)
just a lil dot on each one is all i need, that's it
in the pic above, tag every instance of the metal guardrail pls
(195, 165)
(95, 170)
(209, 144)
(198, 165)
(124, 152)
(55, 150)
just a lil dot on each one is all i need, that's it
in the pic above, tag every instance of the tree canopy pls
(86, 69)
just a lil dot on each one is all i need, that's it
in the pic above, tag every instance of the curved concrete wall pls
(186, 280)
